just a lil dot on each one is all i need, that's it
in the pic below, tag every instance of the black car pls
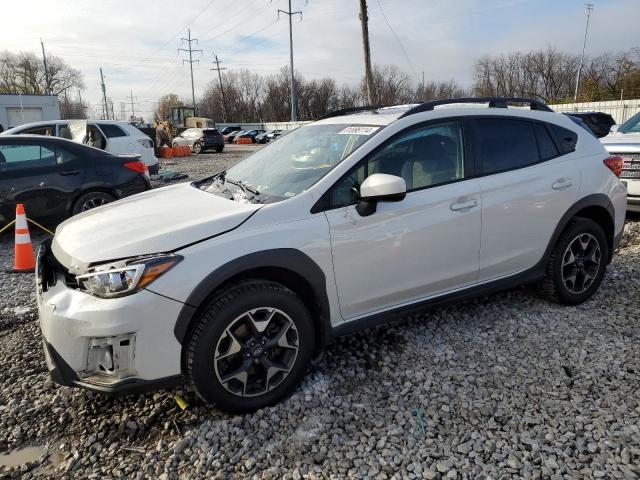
(55, 178)
(598, 122)
(252, 134)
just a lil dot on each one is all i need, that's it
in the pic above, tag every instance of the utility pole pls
(190, 40)
(81, 105)
(224, 100)
(46, 71)
(294, 114)
(105, 107)
(133, 111)
(584, 44)
(364, 21)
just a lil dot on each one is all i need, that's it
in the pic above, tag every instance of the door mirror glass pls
(380, 187)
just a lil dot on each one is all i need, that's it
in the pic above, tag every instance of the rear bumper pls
(153, 169)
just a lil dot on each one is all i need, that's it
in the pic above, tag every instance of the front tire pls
(197, 148)
(250, 346)
(578, 263)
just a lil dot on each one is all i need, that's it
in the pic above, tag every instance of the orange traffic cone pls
(24, 260)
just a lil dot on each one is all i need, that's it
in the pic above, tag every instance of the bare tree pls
(24, 73)
(163, 109)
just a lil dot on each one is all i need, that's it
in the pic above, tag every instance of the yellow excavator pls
(179, 120)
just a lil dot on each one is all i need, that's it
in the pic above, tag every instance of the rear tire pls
(220, 149)
(249, 347)
(91, 200)
(577, 264)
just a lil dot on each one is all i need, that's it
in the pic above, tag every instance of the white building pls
(19, 109)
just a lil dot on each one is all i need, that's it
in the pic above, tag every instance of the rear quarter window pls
(546, 144)
(112, 131)
(565, 139)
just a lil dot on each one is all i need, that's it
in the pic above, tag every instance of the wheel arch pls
(290, 267)
(597, 207)
(86, 190)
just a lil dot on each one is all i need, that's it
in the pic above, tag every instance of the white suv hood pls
(152, 222)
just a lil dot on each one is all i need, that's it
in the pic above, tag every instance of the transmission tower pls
(191, 61)
(294, 114)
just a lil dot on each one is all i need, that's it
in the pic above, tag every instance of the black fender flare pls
(289, 259)
(593, 200)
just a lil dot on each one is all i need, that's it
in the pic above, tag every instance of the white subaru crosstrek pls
(234, 281)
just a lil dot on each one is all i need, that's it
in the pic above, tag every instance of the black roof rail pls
(347, 111)
(494, 102)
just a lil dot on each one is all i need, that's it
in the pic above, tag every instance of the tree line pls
(25, 73)
(548, 74)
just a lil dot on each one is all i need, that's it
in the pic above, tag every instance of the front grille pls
(631, 167)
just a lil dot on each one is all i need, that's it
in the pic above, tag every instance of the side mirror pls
(614, 128)
(380, 187)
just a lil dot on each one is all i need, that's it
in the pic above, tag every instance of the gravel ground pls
(505, 386)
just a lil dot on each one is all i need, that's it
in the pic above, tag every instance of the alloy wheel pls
(93, 203)
(256, 352)
(581, 263)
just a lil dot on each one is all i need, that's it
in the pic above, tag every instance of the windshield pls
(632, 125)
(285, 168)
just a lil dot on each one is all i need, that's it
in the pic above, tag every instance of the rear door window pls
(18, 156)
(502, 144)
(548, 149)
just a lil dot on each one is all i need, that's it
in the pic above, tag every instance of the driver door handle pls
(69, 172)
(464, 205)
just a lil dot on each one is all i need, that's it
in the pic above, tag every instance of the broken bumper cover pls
(64, 375)
(106, 345)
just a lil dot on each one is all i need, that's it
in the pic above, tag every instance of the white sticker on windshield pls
(359, 130)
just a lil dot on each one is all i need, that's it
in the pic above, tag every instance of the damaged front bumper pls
(106, 345)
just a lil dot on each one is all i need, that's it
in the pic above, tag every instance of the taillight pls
(615, 164)
(139, 167)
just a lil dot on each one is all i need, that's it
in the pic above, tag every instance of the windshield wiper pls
(243, 186)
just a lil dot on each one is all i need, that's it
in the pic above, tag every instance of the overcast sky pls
(136, 42)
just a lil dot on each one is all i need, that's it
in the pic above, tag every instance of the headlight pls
(109, 281)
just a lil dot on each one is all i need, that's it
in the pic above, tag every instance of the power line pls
(404, 51)
(190, 40)
(294, 115)
(178, 32)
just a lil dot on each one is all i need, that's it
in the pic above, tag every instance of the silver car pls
(200, 139)
(624, 141)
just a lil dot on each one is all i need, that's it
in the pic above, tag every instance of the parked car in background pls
(598, 122)
(252, 134)
(267, 136)
(118, 138)
(228, 137)
(624, 141)
(342, 224)
(200, 139)
(228, 130)
(55, 178)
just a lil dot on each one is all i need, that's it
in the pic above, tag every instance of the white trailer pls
(16, 110)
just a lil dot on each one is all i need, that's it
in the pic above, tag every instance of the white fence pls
(620, 110)
(264, 126)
